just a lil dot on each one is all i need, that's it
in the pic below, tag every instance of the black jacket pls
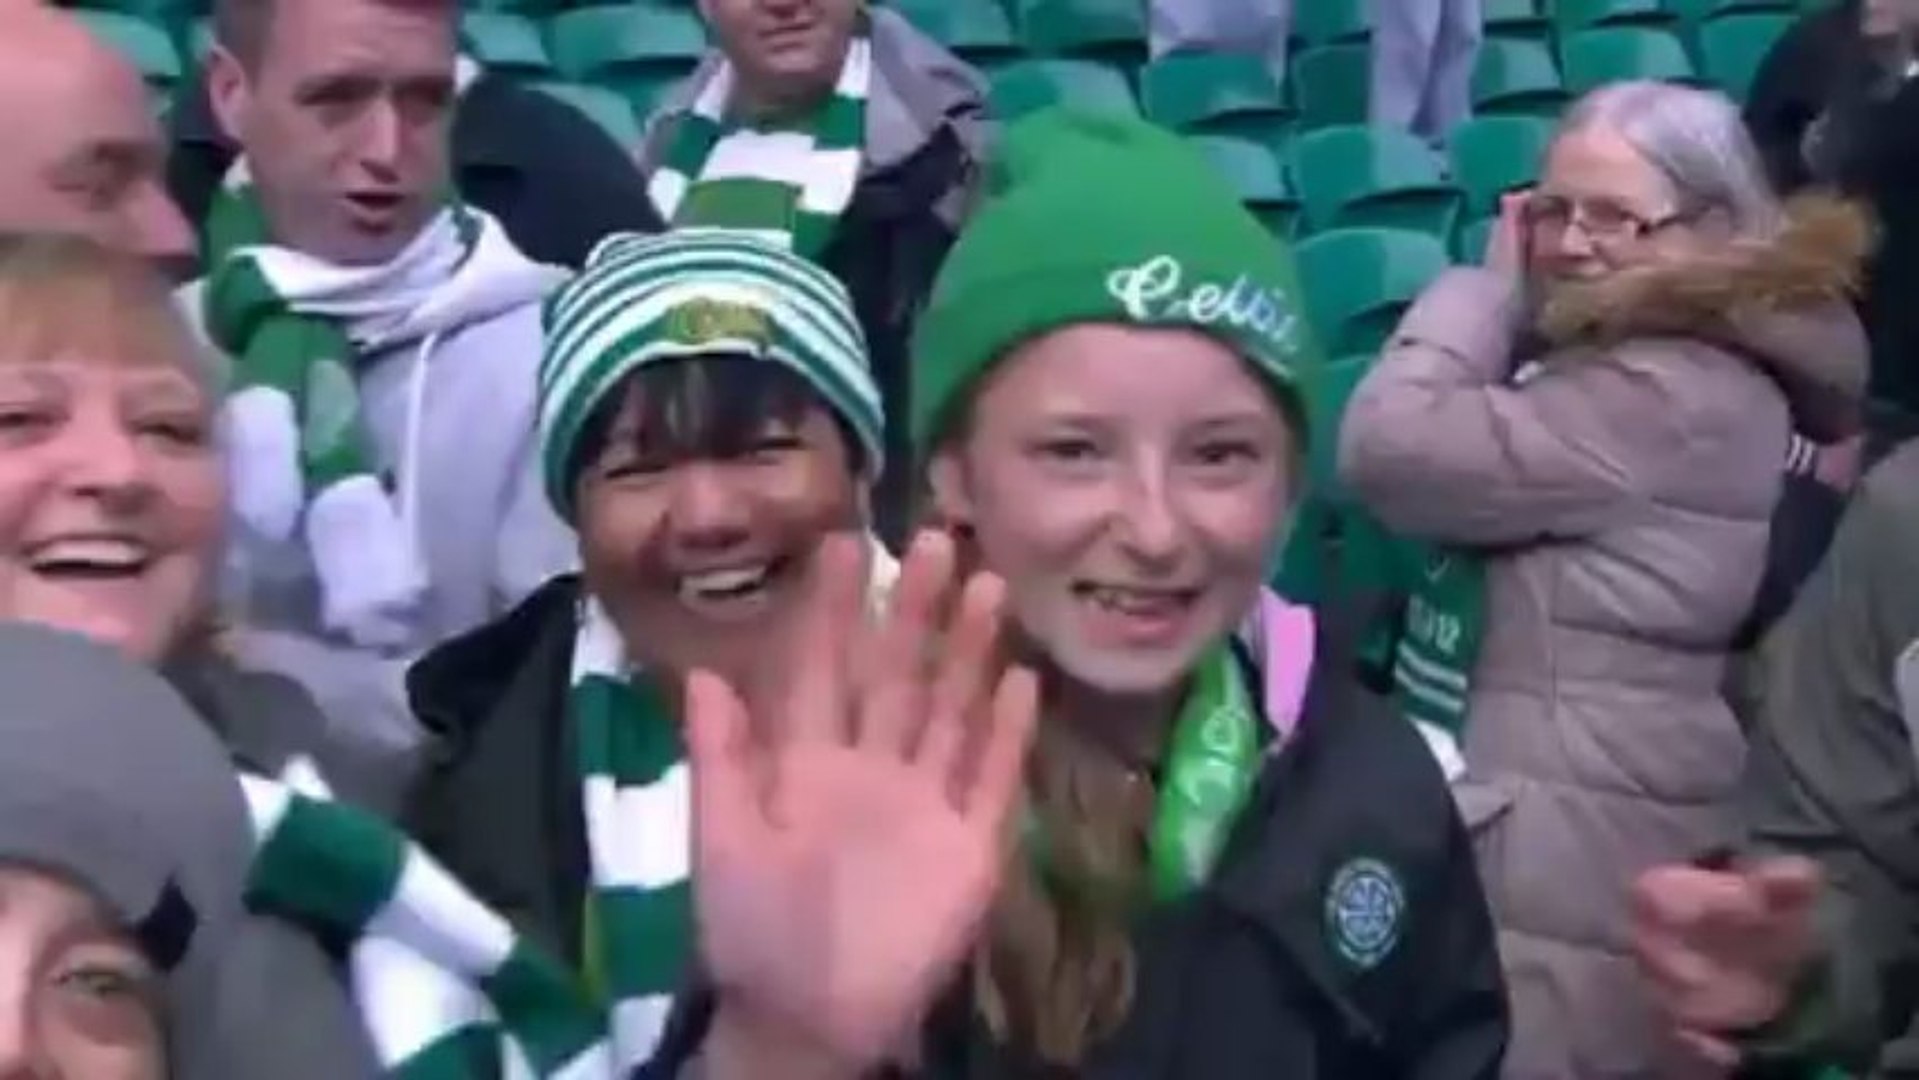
(1246, 978)
(887, 251)
(1824, 113)
(1243, 979)
(557, 183)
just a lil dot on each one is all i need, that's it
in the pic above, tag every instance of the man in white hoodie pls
(384, 342)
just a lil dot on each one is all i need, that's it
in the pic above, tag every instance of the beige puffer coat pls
(1621, 494)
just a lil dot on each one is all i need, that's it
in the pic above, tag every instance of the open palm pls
(844, 863)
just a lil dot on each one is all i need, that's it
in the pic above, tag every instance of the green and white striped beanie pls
(697, 292)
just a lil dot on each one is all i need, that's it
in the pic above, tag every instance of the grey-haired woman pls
(1594, 426)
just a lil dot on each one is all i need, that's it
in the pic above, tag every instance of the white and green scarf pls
(293, 324)
(445, 988)
(788, 182)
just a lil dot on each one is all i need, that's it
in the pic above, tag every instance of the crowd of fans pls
(790, 598)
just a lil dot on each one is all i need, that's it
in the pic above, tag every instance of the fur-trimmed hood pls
(1785, 301)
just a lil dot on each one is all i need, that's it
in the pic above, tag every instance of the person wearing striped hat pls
(709, 426)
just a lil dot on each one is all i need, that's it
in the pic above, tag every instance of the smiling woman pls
(110, 482)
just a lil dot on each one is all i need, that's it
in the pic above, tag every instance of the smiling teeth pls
(1135, 602)
(117, 554)
(722, 582)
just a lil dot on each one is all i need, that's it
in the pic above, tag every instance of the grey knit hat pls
(108, 779)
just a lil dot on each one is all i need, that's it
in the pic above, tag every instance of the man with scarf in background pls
(384, 340)
(840, 131)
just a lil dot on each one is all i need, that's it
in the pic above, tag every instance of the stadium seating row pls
(1090, 52)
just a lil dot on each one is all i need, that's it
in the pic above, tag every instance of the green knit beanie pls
(1096, 218)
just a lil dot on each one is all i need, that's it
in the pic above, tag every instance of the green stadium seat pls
(1694, 12)
(1492, 155)
(1217, 94)
(1109, 30)
(1517, 78)
(1732, 48)
(144, 43)
(534, 9)
(198, 41)
(1517, 20)
(1373, 177)
(1332, 84)
(1574, 16)
(1259, 177)
(604, 107)
(1332, 22)
(1470, 248)
(160, 12)
(504, 42)
(1029, 85)
(1326, 392)
(1612, 54)
(635, 50)
(977, 31)
(595, 42)
(1359, 282)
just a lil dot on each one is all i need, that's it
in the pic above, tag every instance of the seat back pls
(1358, 176)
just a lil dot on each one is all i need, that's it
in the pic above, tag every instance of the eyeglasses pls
(1600, 219)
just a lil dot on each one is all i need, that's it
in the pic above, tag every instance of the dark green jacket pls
(1832, 775)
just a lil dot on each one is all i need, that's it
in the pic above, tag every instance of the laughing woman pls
(709, 421)
(1230, 871)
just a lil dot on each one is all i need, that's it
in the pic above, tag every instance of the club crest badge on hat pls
(704, 321)
(1365, 912)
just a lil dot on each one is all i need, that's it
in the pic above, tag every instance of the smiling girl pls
(1230, 870)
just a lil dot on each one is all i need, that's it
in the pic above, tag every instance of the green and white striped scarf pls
(285, 318)
(789, 183)
(638, 796)
(444, 986)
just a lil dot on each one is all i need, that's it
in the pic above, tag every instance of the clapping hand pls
(847, 849)
(1724, 949)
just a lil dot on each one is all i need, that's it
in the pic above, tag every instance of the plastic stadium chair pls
(1109, 30)
(1516, 20)
(161, 12)
(1030, 85)
(595, 42)
(1373, 177)
(1492, 155)
(530, 8)
(977, 31)
(1573, 16)
(1517, 78)
(1332, 22)
(1326, 392)
(604, 107)
(1217, 94)
(1256, 173)
(1597, 57)
(1732, 48)
(1694, 12)
(1470, 248)
(144, 43)
(198, 40)
(1332, 84)
(505, 43)
(1358, 282)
